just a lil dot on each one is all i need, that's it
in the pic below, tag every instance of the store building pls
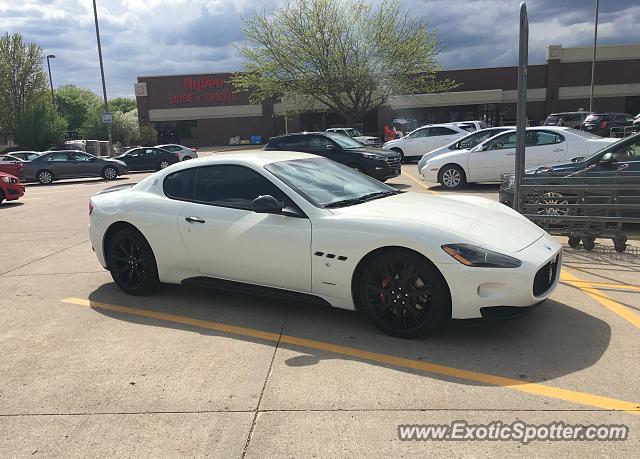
(199, 110)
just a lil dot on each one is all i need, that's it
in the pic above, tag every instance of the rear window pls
(552, 119)
(594, 117)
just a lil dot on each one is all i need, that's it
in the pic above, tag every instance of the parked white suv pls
(496, 156)
(424, 139)
(184, 153)
(355, 134)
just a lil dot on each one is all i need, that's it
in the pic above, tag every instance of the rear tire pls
(452, 177)
(45, 177)
(186, 158)
(404, 295)
(1, 197)
(131, 262)
(163, 164)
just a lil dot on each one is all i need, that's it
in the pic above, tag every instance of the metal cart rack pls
(583, 208)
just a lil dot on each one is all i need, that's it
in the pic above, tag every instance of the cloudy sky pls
(160, 37)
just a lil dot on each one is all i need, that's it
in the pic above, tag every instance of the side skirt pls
(251, 289)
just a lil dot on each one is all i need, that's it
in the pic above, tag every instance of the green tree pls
(75, 104)
(40, 126)
(124, 129)
(22, 78)
(346, 55)
(148, 135)
(122, 104)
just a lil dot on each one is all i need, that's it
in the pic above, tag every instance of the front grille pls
(545, 277)
(393, 161)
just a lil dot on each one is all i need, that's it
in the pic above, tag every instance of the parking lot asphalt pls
(89, 371)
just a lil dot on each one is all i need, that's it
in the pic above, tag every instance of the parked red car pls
(10, 187)
(11, 165)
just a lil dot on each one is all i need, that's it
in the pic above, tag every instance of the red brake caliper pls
(385, 284)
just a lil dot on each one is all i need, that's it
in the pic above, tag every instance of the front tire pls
(452, 177)
(404, 295)
(131, 263)
(45, 177)
(110, 173)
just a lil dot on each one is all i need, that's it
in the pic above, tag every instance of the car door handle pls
(558, 150)
(510, 154)
(195, 219)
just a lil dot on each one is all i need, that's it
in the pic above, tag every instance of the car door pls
(415, 143)
(60, 164)
(228, 240)
(133, 159)
(84, 165)
(323, 146)
(150, 158)
(492, 159)
(544, 147)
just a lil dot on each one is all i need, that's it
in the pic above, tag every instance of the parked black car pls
(568, 119)
(621, 158)
(148, 158)
(607, 124)
(375, 162)
(64, 164)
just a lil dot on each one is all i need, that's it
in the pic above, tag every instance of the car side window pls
(619, 118)
(134, 153)
(80, 157)
(630, 152)
(418, 134)
(503, 142)
(150, 152)
(233, 186)
(58, 157)
(438, 131)
(317, 142)
(539, 138)
(294, 143)
(179, 185)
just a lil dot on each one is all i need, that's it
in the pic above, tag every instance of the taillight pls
(603, 124)
(90, 207)
(177, 156)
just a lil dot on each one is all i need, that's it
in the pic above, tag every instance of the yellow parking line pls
(418, 182)
(603, 285)
(581, 398)
(606, 301)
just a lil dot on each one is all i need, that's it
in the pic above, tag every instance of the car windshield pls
(344, 141)
(325, 183)
(613, 147)
(352, 132)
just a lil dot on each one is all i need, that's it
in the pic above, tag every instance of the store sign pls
(204, 91)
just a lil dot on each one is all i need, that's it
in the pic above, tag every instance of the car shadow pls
(81, 181)
(553, 341)
(469, 188)
(399, 186)
(11, 204)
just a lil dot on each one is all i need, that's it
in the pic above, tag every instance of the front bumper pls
(430, 173)
(13, 191)
(476, 291)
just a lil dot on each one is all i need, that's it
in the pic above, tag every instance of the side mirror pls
(607, 158)
(267, 204)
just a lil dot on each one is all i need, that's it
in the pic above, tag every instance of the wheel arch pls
(397, 149)
(112, 230)
(357, 272)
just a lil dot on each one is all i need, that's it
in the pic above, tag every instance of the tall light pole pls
(104, 87)
(53, 99)
(593, 62)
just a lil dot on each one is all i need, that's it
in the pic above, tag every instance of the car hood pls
(377, 151)
(485, 222)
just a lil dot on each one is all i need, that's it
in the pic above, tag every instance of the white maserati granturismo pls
(284, 223)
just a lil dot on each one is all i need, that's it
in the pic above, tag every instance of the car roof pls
(246, 157)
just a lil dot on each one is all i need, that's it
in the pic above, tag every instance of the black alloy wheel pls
(404, 295)
(132, 263)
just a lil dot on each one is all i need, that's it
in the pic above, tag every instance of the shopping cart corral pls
(584, 208)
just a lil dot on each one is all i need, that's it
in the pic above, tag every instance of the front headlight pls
(471, 255)
(9, 180)
(373, 156)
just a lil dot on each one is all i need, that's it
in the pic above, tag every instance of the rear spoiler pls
(115, 188)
